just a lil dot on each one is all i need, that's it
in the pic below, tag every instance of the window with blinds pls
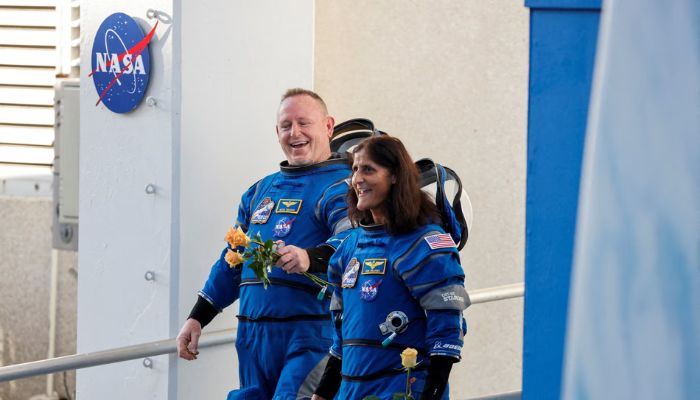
(39, 41)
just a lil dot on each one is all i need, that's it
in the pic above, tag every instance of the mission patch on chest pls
(262, 211)
(350, 274)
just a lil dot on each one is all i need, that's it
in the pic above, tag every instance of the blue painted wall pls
(562, 50)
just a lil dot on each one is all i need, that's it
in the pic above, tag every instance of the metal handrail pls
(497, 293)
(167, 346)
(517, 395)
(78, 361)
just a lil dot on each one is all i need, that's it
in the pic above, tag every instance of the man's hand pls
(292, 258)
(317, 397)
(188, 339)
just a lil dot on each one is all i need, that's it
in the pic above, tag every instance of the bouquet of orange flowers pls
(263, 256)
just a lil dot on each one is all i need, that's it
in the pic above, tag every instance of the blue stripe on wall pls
(562, 52)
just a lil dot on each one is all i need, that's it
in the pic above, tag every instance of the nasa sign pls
(121, 63)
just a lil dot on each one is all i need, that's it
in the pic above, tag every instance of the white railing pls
(168, 346)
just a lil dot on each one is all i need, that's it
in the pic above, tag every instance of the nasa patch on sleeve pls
(121, 63)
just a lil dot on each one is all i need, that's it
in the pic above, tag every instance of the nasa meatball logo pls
(121, 63)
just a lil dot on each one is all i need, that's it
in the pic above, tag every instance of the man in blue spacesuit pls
(284, 330)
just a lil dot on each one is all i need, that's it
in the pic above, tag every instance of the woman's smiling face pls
(372, 184)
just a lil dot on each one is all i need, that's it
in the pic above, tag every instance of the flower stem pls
(315, 279)
(408, 384)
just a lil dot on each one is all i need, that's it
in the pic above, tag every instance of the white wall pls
(237, 60)
(125, 232)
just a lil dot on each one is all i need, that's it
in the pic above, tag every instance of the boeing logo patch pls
(440, 345)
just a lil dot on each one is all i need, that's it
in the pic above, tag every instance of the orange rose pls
(236, 237)
(233, 258)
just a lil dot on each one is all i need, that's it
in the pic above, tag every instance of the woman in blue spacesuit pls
(398, 284)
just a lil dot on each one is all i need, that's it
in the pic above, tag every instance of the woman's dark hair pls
(406, 206)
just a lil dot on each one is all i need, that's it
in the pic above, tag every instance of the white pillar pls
(124, 231)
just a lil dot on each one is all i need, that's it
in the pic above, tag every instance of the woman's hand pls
(292, 258)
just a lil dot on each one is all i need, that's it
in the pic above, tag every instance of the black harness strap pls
(284, 282)
(377, 343)
(380, 374)
(291, 318)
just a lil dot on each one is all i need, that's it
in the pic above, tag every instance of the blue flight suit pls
(284, 331)
(376, 273)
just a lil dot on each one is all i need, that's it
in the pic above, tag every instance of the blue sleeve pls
(332, 210)
(444, 335)
(436, 280)
(222, 287)
(245, 209)
(335, 276)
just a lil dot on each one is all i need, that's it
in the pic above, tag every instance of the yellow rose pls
(236, 237)
(408, 357)
(233, 258)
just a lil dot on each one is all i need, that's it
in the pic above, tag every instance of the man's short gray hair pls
(300, 92)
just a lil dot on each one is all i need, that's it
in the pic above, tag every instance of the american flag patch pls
(440, 241)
